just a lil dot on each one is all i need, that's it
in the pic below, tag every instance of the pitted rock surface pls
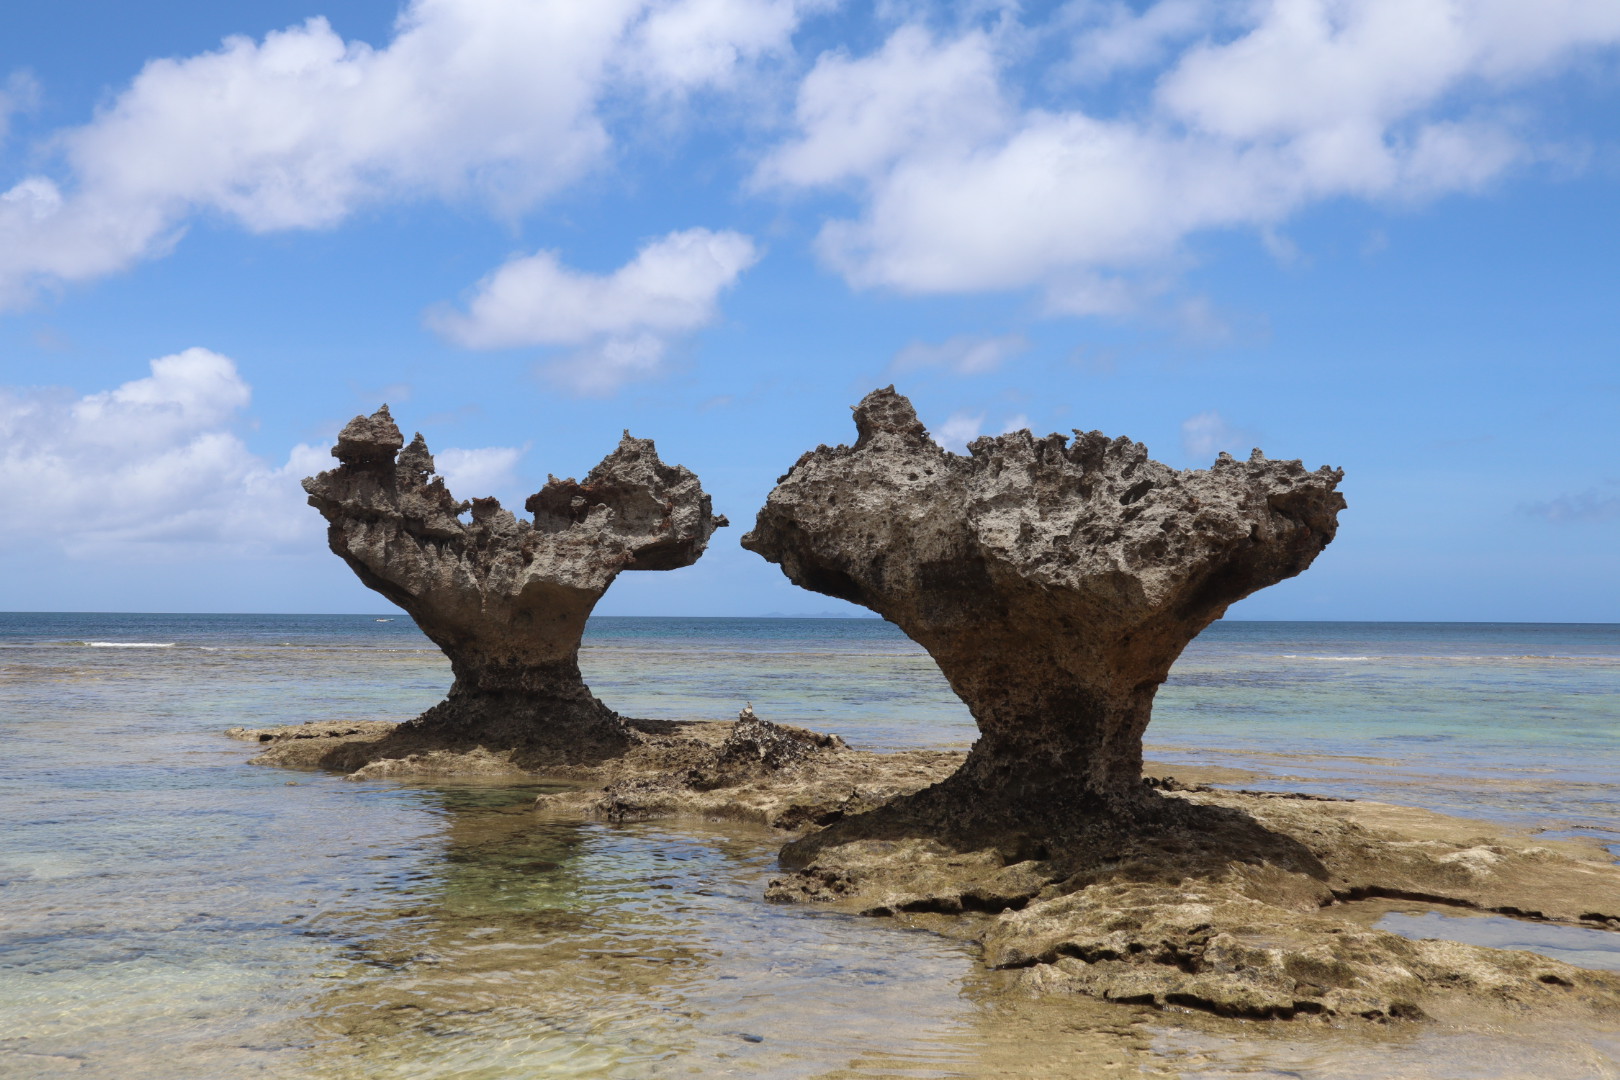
(764, 773)
(1053, 581)
(756, 746)
(507, 598)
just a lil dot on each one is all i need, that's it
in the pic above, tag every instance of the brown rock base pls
(1237, 904)
(752, 770)
(373, 750)
(770, 774)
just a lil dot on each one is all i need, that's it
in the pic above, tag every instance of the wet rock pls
(506, 598)
(1053, 581)
(314, 730)
(1241, 905)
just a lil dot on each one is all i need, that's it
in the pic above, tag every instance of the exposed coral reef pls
(1240, 904)
(750, 770)
(505, 598)
(766, 773)
(1054, 582)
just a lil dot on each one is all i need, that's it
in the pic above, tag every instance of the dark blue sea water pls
(168, 911)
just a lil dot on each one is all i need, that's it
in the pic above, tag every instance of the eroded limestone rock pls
(506, 598)
(1054, 582)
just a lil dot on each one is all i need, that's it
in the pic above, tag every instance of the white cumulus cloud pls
(152, 470)
(679, 46)
(670, 286)
(477, 472)
(149, 467)
(495, 100)
(1294, 102)
(624, 320)
(914, 96)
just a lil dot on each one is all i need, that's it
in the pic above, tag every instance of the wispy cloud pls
(19, 93)
(602, 368)
(1209, 433)
(964, 354)
(1107, 39)
(959, 429)
(1594, 504)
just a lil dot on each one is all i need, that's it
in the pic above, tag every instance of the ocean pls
(167, 910)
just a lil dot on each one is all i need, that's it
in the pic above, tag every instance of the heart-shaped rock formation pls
(505, 598)
(1054, 582)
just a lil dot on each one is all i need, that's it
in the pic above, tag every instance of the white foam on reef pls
(130, 644)
(1462, 658)
(1298, 656)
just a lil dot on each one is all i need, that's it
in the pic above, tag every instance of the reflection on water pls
(453, 933)
(586, 950)
(1576, 945)
(169, 912)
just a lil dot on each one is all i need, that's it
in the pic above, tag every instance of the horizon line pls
(819, 616)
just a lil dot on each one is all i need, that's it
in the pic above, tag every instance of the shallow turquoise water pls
(168, 911)
(1507, 721)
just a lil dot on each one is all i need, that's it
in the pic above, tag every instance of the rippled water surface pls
(168, 911)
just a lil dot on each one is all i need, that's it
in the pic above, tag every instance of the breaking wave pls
(128, 644)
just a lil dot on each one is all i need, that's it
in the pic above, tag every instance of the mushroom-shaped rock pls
(506, 598)
(1053, 581)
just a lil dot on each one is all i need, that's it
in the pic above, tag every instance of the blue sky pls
(1378, 234)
